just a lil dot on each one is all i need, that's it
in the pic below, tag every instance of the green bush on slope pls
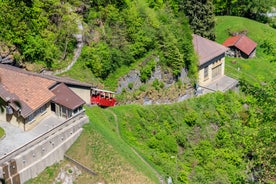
(203, 140)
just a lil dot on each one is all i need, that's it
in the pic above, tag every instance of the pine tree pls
(201, 17)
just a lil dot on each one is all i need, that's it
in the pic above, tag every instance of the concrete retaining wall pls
(29, 160)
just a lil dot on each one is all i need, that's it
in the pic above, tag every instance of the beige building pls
(211, 61)
(26, 98)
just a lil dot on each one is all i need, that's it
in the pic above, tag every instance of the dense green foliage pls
(209, 139)
(128, 32)
(253, 9)
(201, 17)
(116, 33)
(41, 30)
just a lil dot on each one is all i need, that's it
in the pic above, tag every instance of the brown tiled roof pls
(66, 97)
(11, 99)
(31, 90)
(242, 42)
(207, 49)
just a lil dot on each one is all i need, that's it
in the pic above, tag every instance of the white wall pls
(83, 93)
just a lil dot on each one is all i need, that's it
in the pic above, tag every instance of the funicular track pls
(158, 175)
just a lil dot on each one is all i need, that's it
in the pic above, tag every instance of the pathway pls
(77, 51)
(134, 151)
(16, 137)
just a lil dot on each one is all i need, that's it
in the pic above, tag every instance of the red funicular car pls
(102, 98)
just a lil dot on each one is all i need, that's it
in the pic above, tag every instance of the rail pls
(40, 138)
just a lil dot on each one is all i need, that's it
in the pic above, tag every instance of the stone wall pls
(32, 158)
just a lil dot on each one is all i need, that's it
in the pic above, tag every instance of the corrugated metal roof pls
(66, 97)
(207, 49)
(242, 42)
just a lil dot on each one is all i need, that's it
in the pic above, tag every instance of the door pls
(216, 71)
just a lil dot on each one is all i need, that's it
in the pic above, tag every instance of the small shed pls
(211, 59)
(240, 46)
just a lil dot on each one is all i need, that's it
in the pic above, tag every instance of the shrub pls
(130, 86)
(146, 71)
(156, 84)
(142, 88)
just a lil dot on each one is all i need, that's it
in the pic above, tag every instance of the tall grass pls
(103, 122)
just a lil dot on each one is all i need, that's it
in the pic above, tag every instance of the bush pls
(143, 88)
(130, 86)
(146, 71)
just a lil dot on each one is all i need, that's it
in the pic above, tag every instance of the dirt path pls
(77, 51)
(134, 151)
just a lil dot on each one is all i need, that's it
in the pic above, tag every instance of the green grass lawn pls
(82, 73)
(255, 70)
(255, 30)
(2, 132)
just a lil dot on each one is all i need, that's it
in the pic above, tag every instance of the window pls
(206, 75)
(39, 111)
(30, 118)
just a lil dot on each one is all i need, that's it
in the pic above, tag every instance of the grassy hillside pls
(216, 138)
(260, 69)
(208, 139)
(204, 140)
(101, 149)
(256, 30)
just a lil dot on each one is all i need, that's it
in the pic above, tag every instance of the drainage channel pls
(80, 165)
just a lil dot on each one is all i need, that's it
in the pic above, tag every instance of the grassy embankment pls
(181, 145)
(255, 70)
(101, 149)
(181, 140)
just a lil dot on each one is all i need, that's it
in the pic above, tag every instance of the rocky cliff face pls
(8, 54)
(161, 88)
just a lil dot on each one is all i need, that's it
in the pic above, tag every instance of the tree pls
(201, 17)
(253, 9)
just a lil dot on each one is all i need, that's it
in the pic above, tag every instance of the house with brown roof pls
(27, 98)
(240, 46)
(211, 63)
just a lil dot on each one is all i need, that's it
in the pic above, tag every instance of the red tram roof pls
(101, 90)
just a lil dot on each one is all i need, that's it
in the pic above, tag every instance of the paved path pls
(77, 51)
(16, 137)
(222, 83)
